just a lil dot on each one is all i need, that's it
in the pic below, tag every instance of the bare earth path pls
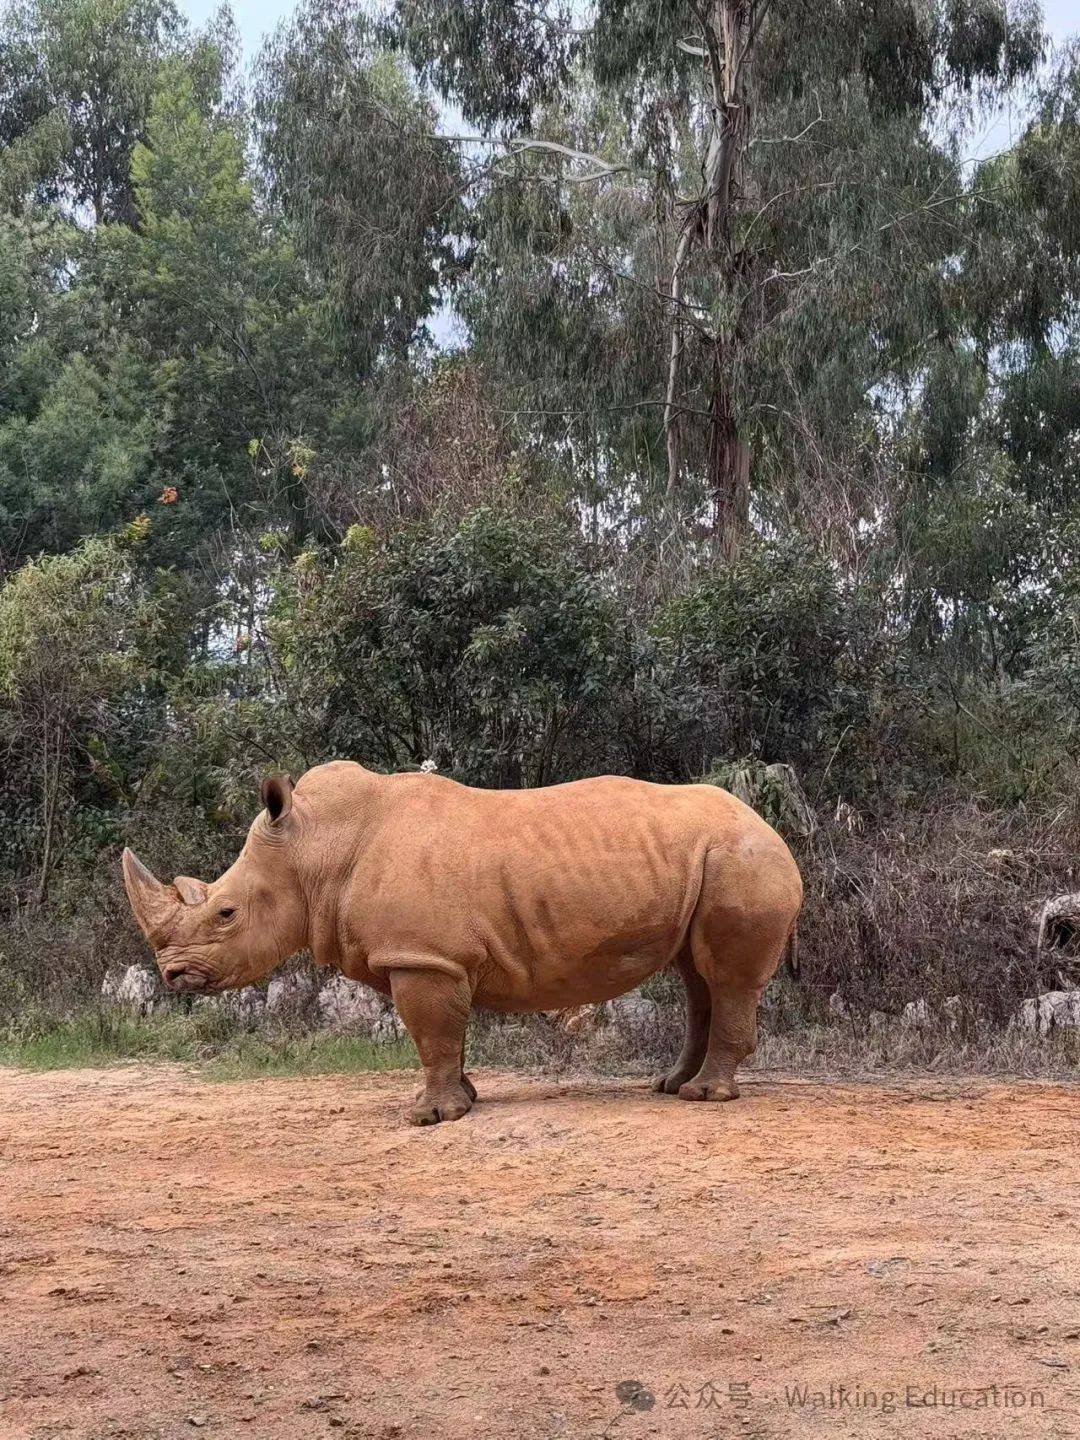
(284, 1258)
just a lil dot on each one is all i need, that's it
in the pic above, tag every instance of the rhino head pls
(236, 929)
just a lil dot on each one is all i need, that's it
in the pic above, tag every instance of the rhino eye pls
(226, 912)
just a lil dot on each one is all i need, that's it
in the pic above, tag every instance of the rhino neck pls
(339, 823)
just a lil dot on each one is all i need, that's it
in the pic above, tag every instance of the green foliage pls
(485, 646)
(38, 1041)
(65, 653)
(759, 647)
(373, 219)
(94, 64)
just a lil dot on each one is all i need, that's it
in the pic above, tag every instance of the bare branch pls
(791, 139)
(519, 147)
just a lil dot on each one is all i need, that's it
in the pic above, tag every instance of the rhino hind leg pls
(435, 1011)
(696, 1039)
(736, 952)
(468, 1086)
(732, 1037)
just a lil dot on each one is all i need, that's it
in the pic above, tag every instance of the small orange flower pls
(169, 495)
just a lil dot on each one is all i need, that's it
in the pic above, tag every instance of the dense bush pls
(484, 645)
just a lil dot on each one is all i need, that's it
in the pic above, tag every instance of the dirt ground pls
(286, 1258)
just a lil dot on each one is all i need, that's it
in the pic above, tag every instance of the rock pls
(920, 1015)
(1056, 1009)
(135, 989)
(245, 1008)
(916, 1014)
(345, 1004)
(837, 1004)
(578, 1020)
(1059, 922)
(290, 994)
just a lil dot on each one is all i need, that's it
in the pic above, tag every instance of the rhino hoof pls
(715, 1090)
(668, 1084)
(430, 1112)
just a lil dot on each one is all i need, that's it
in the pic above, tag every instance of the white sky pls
(257, 18)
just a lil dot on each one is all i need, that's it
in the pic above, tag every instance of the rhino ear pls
(154, 905)
(277, 796)
(192, 892)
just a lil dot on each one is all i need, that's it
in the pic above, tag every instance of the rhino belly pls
(561, 945)
(569, 983)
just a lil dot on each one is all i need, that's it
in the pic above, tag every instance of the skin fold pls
(448, 898)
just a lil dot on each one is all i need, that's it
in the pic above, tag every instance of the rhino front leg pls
(435, 1010)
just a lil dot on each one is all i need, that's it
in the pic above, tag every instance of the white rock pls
(1055, 1009)
(1059, 921)
(244, 1007)
(290, 993)
(579, 1020)
(345, 1004)
(916, 1014)
(135, 988)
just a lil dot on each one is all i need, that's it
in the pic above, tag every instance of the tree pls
(93, 70)
(369, 192)
(795, 172)
(483, 645)
(64, 647)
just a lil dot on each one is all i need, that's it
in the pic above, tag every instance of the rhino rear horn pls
(153, 904)
(192, 892)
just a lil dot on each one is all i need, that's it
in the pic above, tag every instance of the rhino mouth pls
(181, 977)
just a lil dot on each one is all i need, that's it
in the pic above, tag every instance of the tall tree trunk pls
(672, 424)
(50, 799)
(729, 470)
(729, 28)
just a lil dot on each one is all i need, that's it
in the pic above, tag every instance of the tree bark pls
(729, 471)
(672, 424)
(729, 29)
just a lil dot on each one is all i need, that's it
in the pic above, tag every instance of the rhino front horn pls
(152, 903)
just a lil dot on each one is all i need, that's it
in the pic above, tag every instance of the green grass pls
(320, 1054)
(105, 1037)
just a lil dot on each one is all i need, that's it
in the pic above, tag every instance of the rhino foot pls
(430, 1109)
(710, 1090)
(669, 1084)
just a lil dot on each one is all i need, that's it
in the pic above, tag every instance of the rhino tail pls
(791, 950)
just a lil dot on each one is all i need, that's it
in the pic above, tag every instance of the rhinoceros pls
(447, 897)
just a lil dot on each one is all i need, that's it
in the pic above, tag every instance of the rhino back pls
(543, 897)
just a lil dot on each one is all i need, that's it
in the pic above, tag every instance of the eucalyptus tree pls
(90, 68)
(773, 198)
(987, 517)
(350, 160)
